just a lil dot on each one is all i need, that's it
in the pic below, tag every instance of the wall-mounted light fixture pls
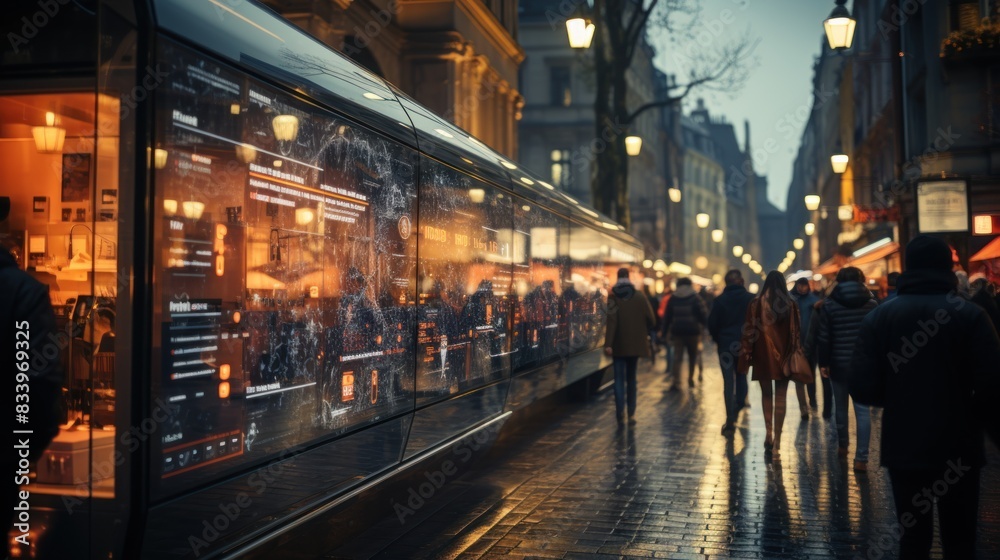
(49, 139)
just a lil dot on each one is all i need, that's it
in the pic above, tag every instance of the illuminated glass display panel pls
(284, 275)
(463, 327)
(541, 260)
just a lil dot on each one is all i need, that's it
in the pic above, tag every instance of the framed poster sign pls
(942, 206)
(76, 178)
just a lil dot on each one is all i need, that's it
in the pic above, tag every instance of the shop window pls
(562, 170)
(560, 92)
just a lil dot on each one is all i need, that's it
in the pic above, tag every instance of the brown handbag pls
(796, 367)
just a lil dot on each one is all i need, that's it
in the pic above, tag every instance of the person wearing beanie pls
(929, 357)
(630, 318)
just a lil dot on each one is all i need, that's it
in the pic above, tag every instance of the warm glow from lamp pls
(839, 162)
(304, 216)
(790, 254)
(812, 202)
(747, 258)
(193, 209)
(633, 144)
(675, 194)
(702, 220)
(798, 243)
(845, 212)
(701, 262)
(169, 206)
(580, 31)
(753, 288)
(235, 109)
(49, 139)
(718, 235)
(286, 127)
(246, 153)
(647, 264)
(810, 228)
(159, 158)
(737, 251)
(840, 27)
(477, 195)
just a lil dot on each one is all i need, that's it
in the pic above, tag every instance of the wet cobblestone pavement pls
(574, 485)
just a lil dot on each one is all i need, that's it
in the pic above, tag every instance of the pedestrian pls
(809, 348)
(630, 319)
(684, 320)
(654, 303)
(983, 295)
(806, 301)
(929, 357)
(29, 325)
(664, 338)
(727, 317)
(839, 325)
(769, 334)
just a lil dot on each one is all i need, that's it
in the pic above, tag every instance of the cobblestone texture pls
(574, 485)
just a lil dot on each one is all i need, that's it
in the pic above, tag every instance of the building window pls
(562, 170)
(559, 86)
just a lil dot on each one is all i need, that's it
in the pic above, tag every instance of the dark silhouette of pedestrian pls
(769, 334)
(629, 320)
(839, 324)
(806, 300)
(929, 357)
(727, 317)
(684, 320)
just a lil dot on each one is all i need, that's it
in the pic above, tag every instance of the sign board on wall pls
(942, 206)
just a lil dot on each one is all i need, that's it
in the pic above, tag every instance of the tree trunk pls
(610, 175)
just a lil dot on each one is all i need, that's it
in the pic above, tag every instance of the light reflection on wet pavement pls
(574, 485)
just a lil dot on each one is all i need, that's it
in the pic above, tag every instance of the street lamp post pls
(840, 27)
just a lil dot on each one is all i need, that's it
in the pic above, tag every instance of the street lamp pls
(737, 251)
(717, 235)
(810, 228)
(812, 202)
(839, 162)
(790, 255)
(580, 31)
(840, 27)
(747, 258)
(632, 145)
(702, 220)
(798, 243)
(674, 193)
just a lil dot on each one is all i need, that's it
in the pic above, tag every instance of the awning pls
(876, 255)
(829, 267)
(990, 251)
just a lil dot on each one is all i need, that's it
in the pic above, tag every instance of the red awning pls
(990, 251)
(876, 255)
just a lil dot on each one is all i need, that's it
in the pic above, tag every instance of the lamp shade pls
(717, 235)
(839, 27)
(702, 220)
(839, 162)
(798, 243)
(675, 194)
(737, 251)
(286, 127)
(49, 139)
(633, 144)
(812, 202)
(810, 228)
(580, 32)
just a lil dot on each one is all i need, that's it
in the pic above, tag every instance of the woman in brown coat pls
(770, 331)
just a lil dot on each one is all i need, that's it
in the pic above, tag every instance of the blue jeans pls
(862, 416)
(734, 386)
(625, 370)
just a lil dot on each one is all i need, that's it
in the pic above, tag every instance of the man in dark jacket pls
(30, 353)
(807, 301)
(630, 318)
(725, 322)
(929, 357)
(684, 320)
(839, 325)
